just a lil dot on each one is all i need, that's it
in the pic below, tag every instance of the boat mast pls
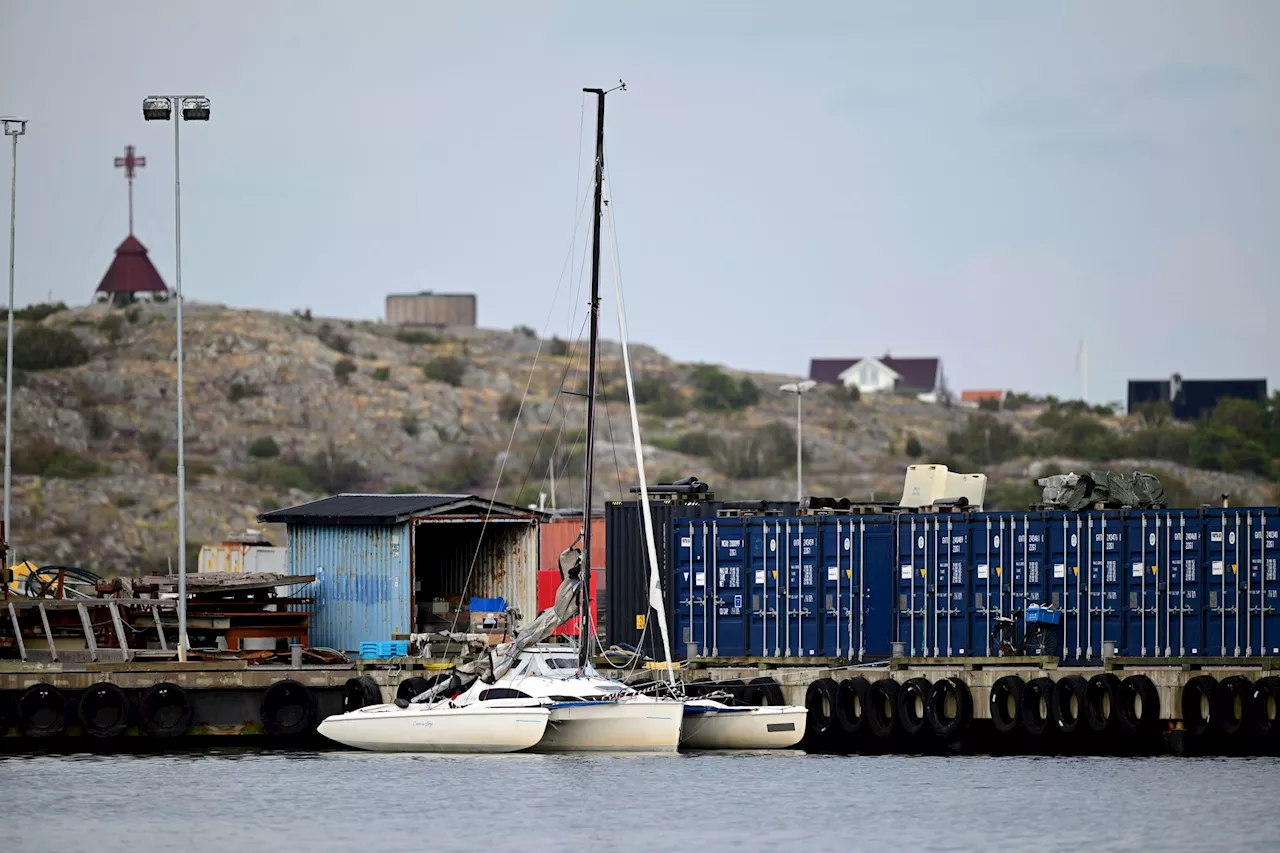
(584, 593)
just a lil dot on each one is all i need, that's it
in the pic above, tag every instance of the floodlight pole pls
(799, 388)
(14, 127)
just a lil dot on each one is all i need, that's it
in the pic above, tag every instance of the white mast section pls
(656, 601)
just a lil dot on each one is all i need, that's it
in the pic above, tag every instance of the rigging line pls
(579, 208)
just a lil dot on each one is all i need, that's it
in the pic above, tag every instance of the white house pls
(919, 376)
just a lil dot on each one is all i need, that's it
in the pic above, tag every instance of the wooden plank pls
(17, 632)
(155, 614)
(53, 648)
(120, 637)
(87, 624)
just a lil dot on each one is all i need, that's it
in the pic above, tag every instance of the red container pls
(549, 582)
(554, 537)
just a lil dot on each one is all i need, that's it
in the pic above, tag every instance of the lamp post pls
(192, 108)
(14, 127)
(799, 389)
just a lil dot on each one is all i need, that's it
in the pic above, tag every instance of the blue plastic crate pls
(1044, 615)
(374, 649)
(488, 605)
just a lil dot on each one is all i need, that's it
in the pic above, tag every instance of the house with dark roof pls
(921, 377)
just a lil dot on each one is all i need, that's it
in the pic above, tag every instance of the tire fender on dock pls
(1102, 698)
(1037, 706)
(882, 707)
(1139, 709)
(288, 708)
(104, 710)
(913, 701)
(1266, 707)
(820, 722)
(42, 711)
(360, 693)
(764, 690)
(949, 707)
(1006, 704)
(1070, 699)
(1233, 705)
(165, 710)
(851, 705)
(412, 686)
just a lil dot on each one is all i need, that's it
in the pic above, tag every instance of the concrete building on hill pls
(431, 309)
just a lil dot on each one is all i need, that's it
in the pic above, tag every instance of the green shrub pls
(403, 490)
(509, 407)
(1012, 495)
(1224, 448)
(446, 368)
(343, 369)
(558, 348)
(717, 391)
(280, 475)
(984, 440)
(526, 331)
(236, 392)
(269, 504)
(660, 397)
(38, 311)
(914, 450)
(465, 470)
(335, 341)
(132, 315)
(151, 442)
(264, 448)
(96, 421)
(44, 348)
(48, 459)
(196, 468)
(382, 374)
(989, 405)
(417, 337)
(762, 452)
(844, 394)
(112, 326)
(695, 443)
(333, 472)
(409, 423)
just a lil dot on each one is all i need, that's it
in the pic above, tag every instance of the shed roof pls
(131, 271)
(353, 509)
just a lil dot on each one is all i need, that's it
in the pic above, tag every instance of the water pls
(246, 802)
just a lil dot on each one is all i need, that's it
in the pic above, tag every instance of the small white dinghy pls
(709, 724)
(501, 725)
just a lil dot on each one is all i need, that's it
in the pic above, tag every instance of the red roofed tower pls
(131, 272)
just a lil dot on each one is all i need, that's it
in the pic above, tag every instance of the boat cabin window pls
(560, 663)
(503, 693)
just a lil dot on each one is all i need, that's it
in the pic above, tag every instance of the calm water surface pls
(246, 802)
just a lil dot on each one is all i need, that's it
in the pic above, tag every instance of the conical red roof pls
(131, 271)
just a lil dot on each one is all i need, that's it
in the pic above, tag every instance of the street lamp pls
(192, 108)
(14, 127)
(799, 389)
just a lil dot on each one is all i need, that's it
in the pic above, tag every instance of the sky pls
(988, 182)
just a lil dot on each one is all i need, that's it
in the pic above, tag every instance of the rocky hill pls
(281, 409)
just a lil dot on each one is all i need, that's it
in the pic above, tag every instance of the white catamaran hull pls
(474, 728)
(610, 726)
(711, 725)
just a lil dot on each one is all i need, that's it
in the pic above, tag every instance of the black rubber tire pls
(851, 705)
(42, 711)
(7, 702)
(1070, 699)
(767, 691)
(412, 686)
(1266, 708)
(949, 707)
(1036, 707)
(288, 708)
(1102, 698)
(1199, 704)
(1233, 703)
(360, 693)
(1139, 708)
(913, 705)
(698, 688)
(882, 707)
(737, 689)
(104, 710)
(1006, 704)
(820, 721)
(165, 710)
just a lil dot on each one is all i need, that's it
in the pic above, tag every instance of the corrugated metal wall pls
(559, 533)
(506, 564)
(362, 589)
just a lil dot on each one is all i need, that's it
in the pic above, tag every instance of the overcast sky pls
(983, 181)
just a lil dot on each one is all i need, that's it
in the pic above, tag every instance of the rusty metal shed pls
(385, 563)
